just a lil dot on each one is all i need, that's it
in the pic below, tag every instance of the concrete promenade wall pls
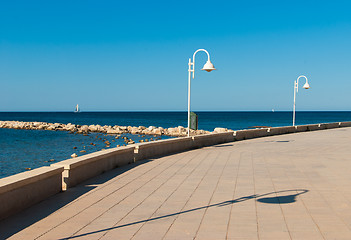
(161, 148)
(251, 133)
(281, 130)
(205, 140)
(25, 189)
(77, 170)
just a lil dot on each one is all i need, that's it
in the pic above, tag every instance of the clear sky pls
(133, 55)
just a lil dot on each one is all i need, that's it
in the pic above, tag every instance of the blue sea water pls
(21, 149)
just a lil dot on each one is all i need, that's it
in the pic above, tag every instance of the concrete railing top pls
(163, 141)
(78, 161)
(230, 132)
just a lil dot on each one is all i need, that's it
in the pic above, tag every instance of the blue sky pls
(133, 55)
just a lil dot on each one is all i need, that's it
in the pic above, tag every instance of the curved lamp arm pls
(203, 50)
(193, 63)
(297, 82)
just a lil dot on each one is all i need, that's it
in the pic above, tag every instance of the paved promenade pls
(295, 186)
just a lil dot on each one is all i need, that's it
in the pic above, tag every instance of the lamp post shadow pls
(281, 199)
(269, 200)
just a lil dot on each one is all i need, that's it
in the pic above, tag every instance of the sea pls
(23, 150)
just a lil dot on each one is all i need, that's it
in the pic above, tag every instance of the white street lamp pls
(207, 67)
(296, 89)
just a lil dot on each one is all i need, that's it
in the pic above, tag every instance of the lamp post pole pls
(296, 90)
(189, 86)
(207, 67)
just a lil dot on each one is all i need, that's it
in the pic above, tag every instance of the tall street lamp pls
(207, 67)
(296, 89)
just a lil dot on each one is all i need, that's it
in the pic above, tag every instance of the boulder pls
(112, 131)
(173, 132)
(70, 127)
(157, 131)
(219, 130)
(181, 129)
(135, 130)
(151, 128)
(93, 128)
(51, 128)
(36, 124)
(40, 127)
(84, 128)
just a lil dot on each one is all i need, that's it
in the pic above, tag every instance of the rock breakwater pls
(84, 129)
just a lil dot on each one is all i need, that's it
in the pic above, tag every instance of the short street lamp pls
(296, 89)
(207, 67)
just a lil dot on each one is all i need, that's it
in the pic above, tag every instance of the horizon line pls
(185, 111)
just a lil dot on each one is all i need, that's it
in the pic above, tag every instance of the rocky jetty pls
(84, 129)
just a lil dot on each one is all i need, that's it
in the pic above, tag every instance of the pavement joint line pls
(233, 196)
(182, 209)
(303, 202)
(275, 190)
(209, 202)
(131, 181)
(180, 184)
(192, 158)
(255, 193)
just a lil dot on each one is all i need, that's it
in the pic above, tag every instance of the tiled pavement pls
(295, 186)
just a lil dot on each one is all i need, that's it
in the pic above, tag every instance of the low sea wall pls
(250, 133)
(22, 190)
(79, 169)
(211, 139)
(161, 148)
(25, 189)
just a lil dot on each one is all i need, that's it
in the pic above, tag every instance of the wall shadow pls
(285, 199)
(13, 224)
